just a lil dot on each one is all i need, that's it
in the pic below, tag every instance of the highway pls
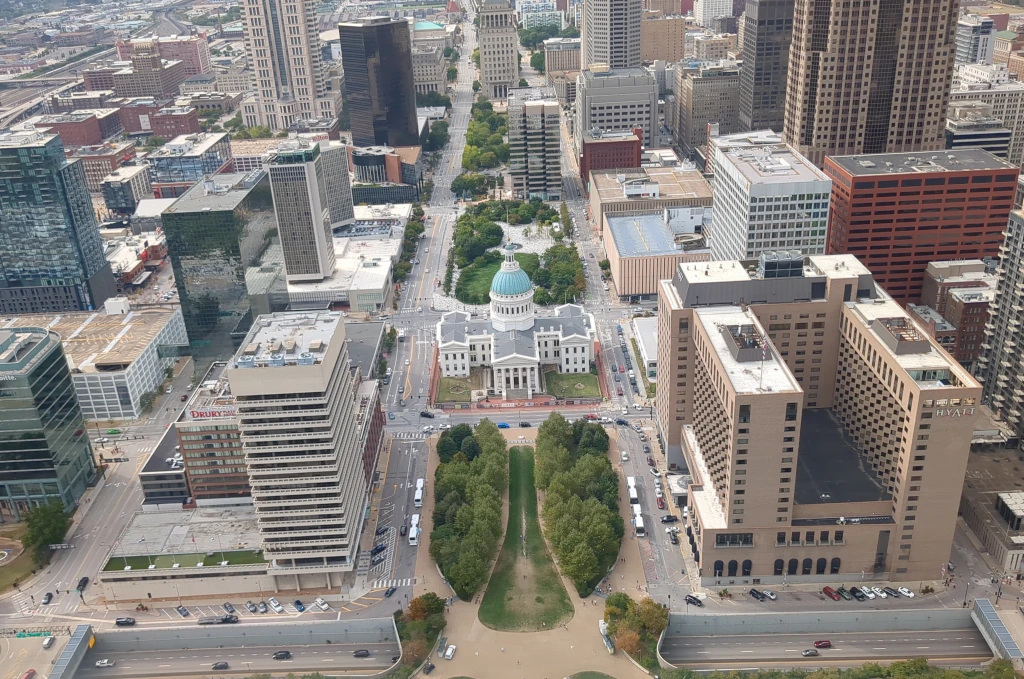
(748, 650)
(241, 661)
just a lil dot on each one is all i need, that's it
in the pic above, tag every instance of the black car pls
(428, 668)
(389, 591)
(361, 653)
(47, 598)
(621, 421)
(124, 622)
(858, 595)
(891, 592)
(228, 608)
(673, 538)
(669, 518)
(381, 531)
(82, 583)
(377, 549)
(427, 414)
(693, 601)
(525, 424)
(219, 666)
(251, 606)
(182, 611)
(395, 658)
(756, 593)
(282, 655)
(403, 531)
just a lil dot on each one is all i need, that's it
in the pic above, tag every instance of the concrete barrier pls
(286, 634)
(819, 622)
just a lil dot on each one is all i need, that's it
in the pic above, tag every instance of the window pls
(779, 566)
(793, 566)
(744, 413)
(835, 566)
(747, 567)
(733, 566)
(719, 567)
(806, 567)
(820, 566)
(780, 538)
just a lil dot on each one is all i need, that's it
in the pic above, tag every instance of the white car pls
(276, 605)
(450, 653)
(879, 592)
(637, 406)
(770, 594)
(321, 604)
(657, 491)
(407, 361)
(656, 473)
(427, 427)
(906, 592)
(444, 426)
(105, 663)
(868, 592)
(625, 411)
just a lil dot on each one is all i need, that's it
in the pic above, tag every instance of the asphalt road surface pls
(967, 644)
(243, 661)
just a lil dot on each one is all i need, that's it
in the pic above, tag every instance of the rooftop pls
(153, 207)
(253, 147)
(597, 136)
(212, 399)
(974, 295)
(21, 345)
(194, 532)
(563, 43)
(125, 173)
(831, 467)
(110, 148)
(97, 342)
(157, 463)
(427, 26)
(222, 192)
(672, 182)
(596, 72)
(749, 359)
(289, 338)
(770, 164)
(960, 160)
(189, 145)
(995, 473)
(928, 314)
(703, 494)
(646, 235)
(364, 340)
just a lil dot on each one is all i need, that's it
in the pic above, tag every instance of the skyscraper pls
(869, 79)
(309, 182)
(499, 48)
(611, 33)
(767, 34)
(534, 136)
(45, 454)
(51, 254)
(975, 39)
(376, 53)
(706, 11)
(283, 45)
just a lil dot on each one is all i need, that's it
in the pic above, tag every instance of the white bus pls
(401, 334)
(414, 530)
(631, 482)
(633, 498)
(417, 500)
(638, 521)
(419, 484)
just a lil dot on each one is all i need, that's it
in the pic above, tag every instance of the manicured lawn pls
(474, 284)
(237, 558)
(19, 568)
(525, 593)
(459, 389)
(556, 380)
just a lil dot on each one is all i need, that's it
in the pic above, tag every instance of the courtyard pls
(571, 385)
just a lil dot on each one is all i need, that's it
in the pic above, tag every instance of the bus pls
(631, 482)
(638, 522)
(417, 500)
(633, 498)
(401, 334)
(420, 484)
(414, 530)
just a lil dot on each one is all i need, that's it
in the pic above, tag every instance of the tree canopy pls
(47, 525)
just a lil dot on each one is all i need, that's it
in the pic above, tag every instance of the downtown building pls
(900, 211)
(707, 97)
(46, 455)
(612, 100)
(767, 35)
(282, 42)
(610, 33)
(51, 253)
(377, 56)
(975, 39)
(846, 96)
(824, 433)
(297, 404)
(991, 85)
(534, 137)
(706, 11)
(499, 48)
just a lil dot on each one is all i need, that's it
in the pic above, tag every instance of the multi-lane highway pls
(749, 650)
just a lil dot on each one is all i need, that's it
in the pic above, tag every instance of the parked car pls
(381, 531)
(620, 421)
(756, 593)
(824, 643)
(525, 424)
(261, 607)
(228, 608)
(450, 653)
(891, 592)
(661, 502)
(403, 530)
(427, 414)
(879, 592)
(82, 583)
(48, 642)
(124, 622)
(669, 518)
(809, 653)
(905, 592)
(299, 606)
(845, 593)
(830, 593)
(182, 611)
(656, 473)
(377, 549)
(428, 668)
(770, 594)
(693, 601)
(276, 605)
(251, 606)
(857, 594)
(673, 538)
(650, 461)
(503, 425)
(321, 604)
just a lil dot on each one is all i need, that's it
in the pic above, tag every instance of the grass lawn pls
(556, 380)
(21, 566)
(474, 284)
(525, 593)
(459, 389)
(236, 558)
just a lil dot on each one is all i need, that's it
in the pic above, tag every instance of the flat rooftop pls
(253, 147)
(929, 314)
(186, 145)
(19, 351)
(647, 235)
(212, 399)
(755, 376)
(201, 530)
(773, 165)
(959, 160)
(288, 338)
(831, 467)
(673, 183)
(991, 472)
(125, 173)
(227, 192)
(157, 461)
(843, 266)
(363, 340)
(96, 342)
(974, 294)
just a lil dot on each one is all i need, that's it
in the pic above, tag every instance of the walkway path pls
(534, 655)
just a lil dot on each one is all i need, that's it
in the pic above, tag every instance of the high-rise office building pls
(767, 197)
(975, 39)
(825, 433)
(499, 48)
(767, 34)
(971, 125)
(377, 55)
(625, 99)
(952, 205)
(282, 41)
(865, 81)
(45, 455)
(706, 11)
(51, 254)
(534, 137)
(306, 474)
(611, 33)
(214, 231)
(312, 195)
(706, 94)
(991, 84)
(999, 367)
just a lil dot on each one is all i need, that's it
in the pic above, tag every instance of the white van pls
(276, 605)
(49, 641)
(450, 653)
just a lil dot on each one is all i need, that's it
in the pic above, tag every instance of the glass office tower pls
(214, 231)
(44, 448)
(51, 254)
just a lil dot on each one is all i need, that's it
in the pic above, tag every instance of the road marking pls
(921, 647)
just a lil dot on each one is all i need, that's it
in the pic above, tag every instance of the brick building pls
(192, 51)
(174, 121)
(899, 211)
(149, 76)
(609, 151)
(137, 114)
(75, 129)
(100, 160)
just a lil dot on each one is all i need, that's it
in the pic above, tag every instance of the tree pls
(581, 567)
(391, 338)
(628, 641)
(414, 651)
(566, 219)
(1000, 669)
(654, 617)
(523, 82)
(537, 61)
(470, 448)
(382, 367)
(432, 602)
(476, 57)
(446, 448)
(452, 73)
(476, 85)
(47, 525)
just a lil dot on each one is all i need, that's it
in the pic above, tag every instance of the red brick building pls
(75, 129)
(609, 151)
(174, 121)
(137, 114)
(899, 211)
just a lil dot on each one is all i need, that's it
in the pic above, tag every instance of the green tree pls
(452, 73)
(564, 217)
(459, 432)
(470, 448)
(476, 85)
(654, 617)
(391, 338)
(537, 61)
(47, 525)
(523, 82)
(476, 57)
(446, 448)
(581, 566)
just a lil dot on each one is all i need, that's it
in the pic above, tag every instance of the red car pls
(622, 368)
(650, 461)
(620, 391)
(830, 593)
(661, 503)
(592, 416)
(824, 643)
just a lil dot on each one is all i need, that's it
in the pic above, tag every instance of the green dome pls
(510, 283)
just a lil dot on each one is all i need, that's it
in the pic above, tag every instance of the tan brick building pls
(646, 190)
(665, 38)
(826, 435)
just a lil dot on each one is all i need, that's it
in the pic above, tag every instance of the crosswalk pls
(24, 604)
(400, 582)
(409, 435)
